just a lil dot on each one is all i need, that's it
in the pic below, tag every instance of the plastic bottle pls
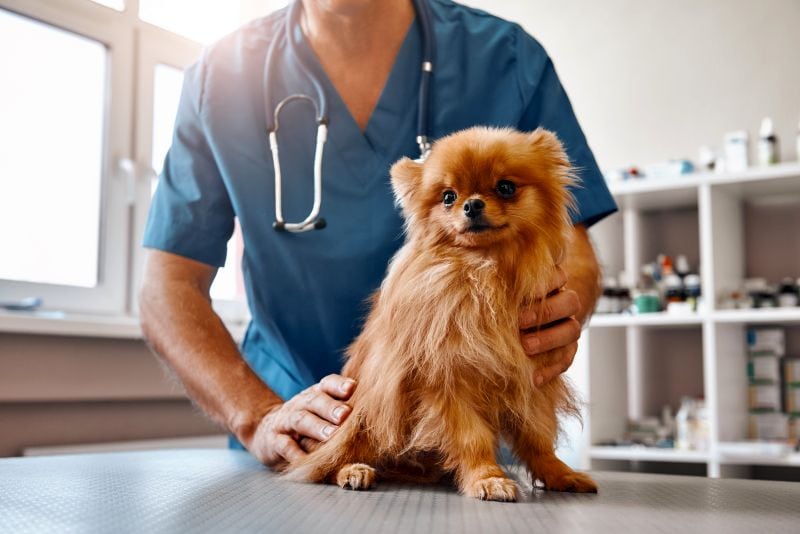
(693, 291)
(797, 141)
(788, 294)
(767, 143)
(683, 420)
(698, 427)
(609, 300)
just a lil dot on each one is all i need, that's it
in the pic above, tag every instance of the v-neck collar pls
(379, 141)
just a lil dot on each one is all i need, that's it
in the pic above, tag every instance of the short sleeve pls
(549, 107)
(190, 214)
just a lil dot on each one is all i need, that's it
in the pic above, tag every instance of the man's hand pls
(313, 415)
(551, 327)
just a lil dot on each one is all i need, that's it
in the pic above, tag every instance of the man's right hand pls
(313, 414)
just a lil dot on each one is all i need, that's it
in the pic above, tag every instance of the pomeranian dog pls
(440, 368)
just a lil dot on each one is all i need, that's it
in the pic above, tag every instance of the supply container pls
(764, 368)
(766, 340)
(764, 397)
(792, 398)
(769, 426)
(791, 370)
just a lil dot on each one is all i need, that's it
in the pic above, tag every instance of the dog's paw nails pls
(493, 489)
(356, 476)
(572, 482)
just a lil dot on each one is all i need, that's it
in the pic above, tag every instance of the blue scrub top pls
(307, 291)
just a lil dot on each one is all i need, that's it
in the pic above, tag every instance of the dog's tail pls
(323, 463)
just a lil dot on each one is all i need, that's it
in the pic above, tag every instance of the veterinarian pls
(307, 291)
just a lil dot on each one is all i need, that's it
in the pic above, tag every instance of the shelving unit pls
(733, 226)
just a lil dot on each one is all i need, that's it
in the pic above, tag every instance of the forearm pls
(180, 325)
(583, 273)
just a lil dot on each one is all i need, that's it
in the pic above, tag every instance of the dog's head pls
(483, 187)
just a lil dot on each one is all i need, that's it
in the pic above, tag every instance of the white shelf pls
(752, 453)
(682, 191)
(651, 454)
(733, 226)
(81, 325)
(771, 315)
(645, 319)
(760, 316)
(647, 454)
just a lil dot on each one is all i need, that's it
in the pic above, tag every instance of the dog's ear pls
(406, 179)
(550, 153)
(546, 141)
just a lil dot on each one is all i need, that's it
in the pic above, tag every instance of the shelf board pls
(748, 453)
(781, 181)
(769, 315)
(645, 319)
(657, 193)
(647, 454)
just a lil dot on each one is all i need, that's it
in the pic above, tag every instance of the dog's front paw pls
(571, 481)
(493, 489)
(356, 476)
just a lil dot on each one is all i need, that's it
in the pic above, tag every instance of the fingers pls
(557, 335)
(338, 386)
(309, 424)
(287, 448)
(554, 308)
(546, 374)
(317, 413)
(298, 425)
(558, 280)
(308, 444)
(328, 408)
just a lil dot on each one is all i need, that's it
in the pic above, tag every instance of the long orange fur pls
(441, 374)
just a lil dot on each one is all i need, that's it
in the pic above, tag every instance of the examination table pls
(221, 490)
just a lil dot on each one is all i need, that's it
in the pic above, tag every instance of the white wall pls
(651, 80)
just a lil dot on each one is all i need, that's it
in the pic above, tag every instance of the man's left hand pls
(551, 327)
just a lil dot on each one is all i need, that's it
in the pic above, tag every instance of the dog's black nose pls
(474, 207)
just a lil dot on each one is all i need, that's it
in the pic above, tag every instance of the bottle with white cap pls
(767, 143)
(798, 141)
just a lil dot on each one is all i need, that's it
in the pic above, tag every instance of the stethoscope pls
(314, 221)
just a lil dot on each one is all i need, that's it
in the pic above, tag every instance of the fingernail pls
(328, 430)
(338, 413)
(532, 344)
(347, 385)
(538, 380)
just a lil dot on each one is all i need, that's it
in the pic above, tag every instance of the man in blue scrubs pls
(307, 291)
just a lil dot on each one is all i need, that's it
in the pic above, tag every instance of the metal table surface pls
(220, 490)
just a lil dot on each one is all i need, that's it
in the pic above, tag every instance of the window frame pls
(157, 46)
(95, 22)
(134, 48)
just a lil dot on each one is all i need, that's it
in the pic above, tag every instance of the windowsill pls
(83, 325)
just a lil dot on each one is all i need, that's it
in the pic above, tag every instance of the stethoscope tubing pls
(313, 221)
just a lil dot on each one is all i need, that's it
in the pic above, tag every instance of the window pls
(52, 96)
(87, 105)
(119, 5)
(209, 20)
(167, 85)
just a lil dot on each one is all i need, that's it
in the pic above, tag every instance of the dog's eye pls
(506, 188)
(449, 197)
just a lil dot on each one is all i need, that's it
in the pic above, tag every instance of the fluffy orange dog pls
(440, 368)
